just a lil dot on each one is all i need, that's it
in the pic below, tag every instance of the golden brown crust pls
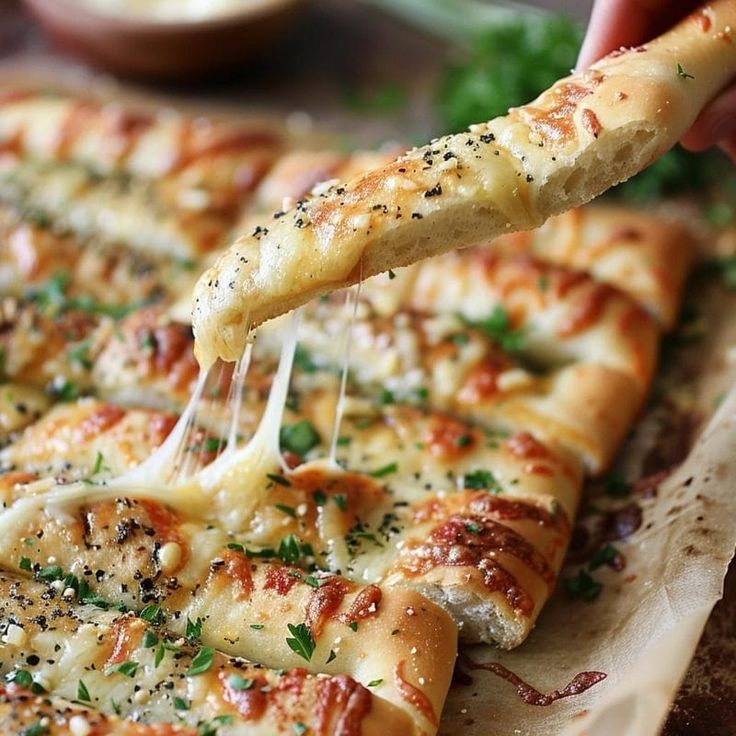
(147, 671)
(246, 603)
(643, 255)
(585, 134)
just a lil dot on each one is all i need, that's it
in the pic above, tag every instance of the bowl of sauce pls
(164, 38)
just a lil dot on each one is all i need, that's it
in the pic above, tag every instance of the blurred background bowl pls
(143, 46)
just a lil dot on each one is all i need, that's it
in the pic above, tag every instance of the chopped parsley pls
(384, 471)
(52, 298)
(303, 360)
(464, 440)
(386, 397)
(299, 728)
(158, 657)
(50, 573)
(482, 480)
(22, 678)
(292, 549)
(99, 465)
(604, 556)
(25, 564)
(37, 729)
(583, 587)
(682, 73)
(202, 661)
(375, 683)
(299, 438)
(128, 669)
(65, 390)
(278, 479)
(180, 703)
(284, 509)
(150, 639)
(83, 693)
(497, 326)
(194, 629)
(153, 615)
(79, 355)
(341, 501)
(301, 641)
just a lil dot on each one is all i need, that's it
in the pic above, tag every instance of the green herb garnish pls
(301, 641)
(128, 669)
(83, 693)
(482, 480)
(583, 586)
(202, 661)
(299, 438)
(384, 471)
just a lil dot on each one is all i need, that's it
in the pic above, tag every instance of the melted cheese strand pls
(236, 480)
(235, 400)
(353, 296)
(160, 468)
(228, 489)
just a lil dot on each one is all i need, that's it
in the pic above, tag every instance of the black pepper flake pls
(529, 178)
(435, 191)
(416, 216)
(487, 138)
(402, 170)
(278, 215)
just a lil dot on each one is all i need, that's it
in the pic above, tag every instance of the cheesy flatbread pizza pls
(295, 542)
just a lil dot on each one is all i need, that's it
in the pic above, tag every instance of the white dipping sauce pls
(169, 10)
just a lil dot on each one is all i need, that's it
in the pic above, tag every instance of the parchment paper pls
(644, 627)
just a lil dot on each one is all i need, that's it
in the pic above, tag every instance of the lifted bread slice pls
(582, 136)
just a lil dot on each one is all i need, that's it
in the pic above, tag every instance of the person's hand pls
(616, 23)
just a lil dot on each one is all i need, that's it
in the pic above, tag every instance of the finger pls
(715, 123)
(617, 23)
(728, 146)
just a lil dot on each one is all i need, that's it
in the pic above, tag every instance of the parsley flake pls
(83, 693)
(202, 661)
(299, 438)
(301, 641)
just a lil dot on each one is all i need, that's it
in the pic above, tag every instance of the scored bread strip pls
(360, 522)
(587, 133)
(124, 664)
(646, 256)
(246, 604)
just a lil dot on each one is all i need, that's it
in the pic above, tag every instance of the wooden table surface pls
(340, 47)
